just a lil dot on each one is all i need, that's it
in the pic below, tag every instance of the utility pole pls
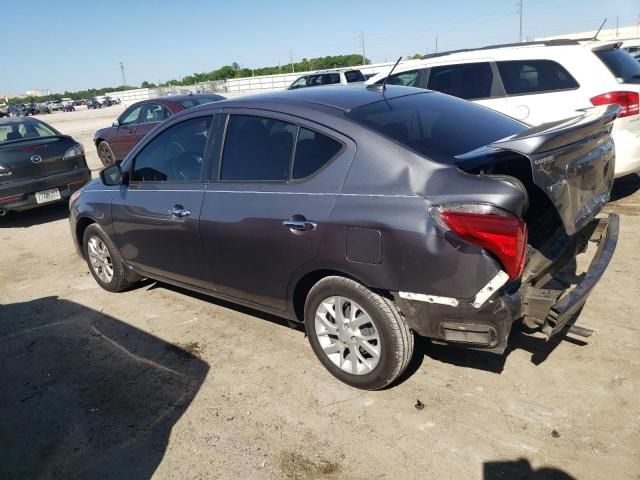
(436, 44)
(293, 69)
(520, 6)
(364, 59)
(616, 27)
(124, 80)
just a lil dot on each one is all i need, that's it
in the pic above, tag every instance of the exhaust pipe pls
(3, 212)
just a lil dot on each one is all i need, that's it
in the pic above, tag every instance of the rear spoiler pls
(552, 135)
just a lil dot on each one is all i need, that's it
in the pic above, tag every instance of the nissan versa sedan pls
(368, 214)
(114, 143)
(38, 164)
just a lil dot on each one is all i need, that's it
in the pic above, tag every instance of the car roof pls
(342, 98)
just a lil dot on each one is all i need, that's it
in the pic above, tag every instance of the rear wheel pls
(104, 260)
(106, 154)
(358, 335)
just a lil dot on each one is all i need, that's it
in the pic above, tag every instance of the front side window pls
(470, 81)
(299, 83)
(130, 117)
(330, 79)
(257, 149)
(354, 76)
(175, 155)
(406, 79)
(521, 77)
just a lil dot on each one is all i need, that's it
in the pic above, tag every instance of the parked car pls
(365, 214)
(93, 103)
(4, 110)
(328, 77)
(55, 105)
(112, 100)
(38, 164)
(540, 82)
(114, 142)
(42, 108)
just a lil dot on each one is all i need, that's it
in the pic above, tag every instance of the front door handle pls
(300, 225)
(179, 212)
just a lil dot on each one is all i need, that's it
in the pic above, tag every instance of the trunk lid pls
(572, 162)
(36, 158)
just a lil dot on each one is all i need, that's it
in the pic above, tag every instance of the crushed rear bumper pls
(487, 327)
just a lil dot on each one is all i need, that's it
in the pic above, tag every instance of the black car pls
(93, 103)
(38, 164)
(368, 214)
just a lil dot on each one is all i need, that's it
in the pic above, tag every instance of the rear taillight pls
(628, 101)
(493, 229)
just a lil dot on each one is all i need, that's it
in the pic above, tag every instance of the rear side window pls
(623, 66)
(313, 151)
(257, 149)
(175, 155)
(434, 125)
(354, 76)
(470, 81)
(523, 77)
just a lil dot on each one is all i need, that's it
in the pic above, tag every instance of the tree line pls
(223, 73)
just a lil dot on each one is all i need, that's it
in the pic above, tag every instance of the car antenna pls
(382, 87)
(595, 37)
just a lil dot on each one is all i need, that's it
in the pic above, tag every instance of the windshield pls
(622, 65)
(434, 124)
(12, 131)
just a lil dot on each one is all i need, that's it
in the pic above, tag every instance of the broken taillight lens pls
(491, 228)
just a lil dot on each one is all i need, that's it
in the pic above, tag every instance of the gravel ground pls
(160, 383)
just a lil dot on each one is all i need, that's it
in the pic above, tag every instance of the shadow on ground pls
(521, 470)
(625, 186)
(86, 396)
(35, 216)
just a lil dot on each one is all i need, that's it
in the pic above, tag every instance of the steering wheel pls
(186, 167)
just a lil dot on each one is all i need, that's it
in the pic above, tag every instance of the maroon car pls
(113, 143)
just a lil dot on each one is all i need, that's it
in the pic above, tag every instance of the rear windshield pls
(22, 130)
(623, 66)
(434, 124)
(192, 102)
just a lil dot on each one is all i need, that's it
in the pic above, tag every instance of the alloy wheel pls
(100, 259)
(348, 335)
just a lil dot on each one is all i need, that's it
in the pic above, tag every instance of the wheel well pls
(81, 226)
(98, 140)
(306, 283)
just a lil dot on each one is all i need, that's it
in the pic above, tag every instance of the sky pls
(78, 44)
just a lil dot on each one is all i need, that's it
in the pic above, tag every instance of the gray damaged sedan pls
(370, 215)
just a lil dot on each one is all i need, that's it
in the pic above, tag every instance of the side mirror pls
(115, 124)
(112, 175)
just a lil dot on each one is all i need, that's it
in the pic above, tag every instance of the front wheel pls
(106, 154)
(104, 260)
(358, 335)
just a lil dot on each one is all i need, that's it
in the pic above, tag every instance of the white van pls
(539, 82)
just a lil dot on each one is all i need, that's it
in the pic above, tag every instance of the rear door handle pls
(179, 212)
(300, 225)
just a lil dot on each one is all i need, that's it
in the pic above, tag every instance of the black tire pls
(105, 153)
(396, 338)
(119, 280)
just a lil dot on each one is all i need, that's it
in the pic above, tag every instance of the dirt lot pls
(157, 382)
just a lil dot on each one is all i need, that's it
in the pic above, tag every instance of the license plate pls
(48, 196)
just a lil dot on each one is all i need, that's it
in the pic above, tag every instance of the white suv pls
(539, 82)
(328, 77)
